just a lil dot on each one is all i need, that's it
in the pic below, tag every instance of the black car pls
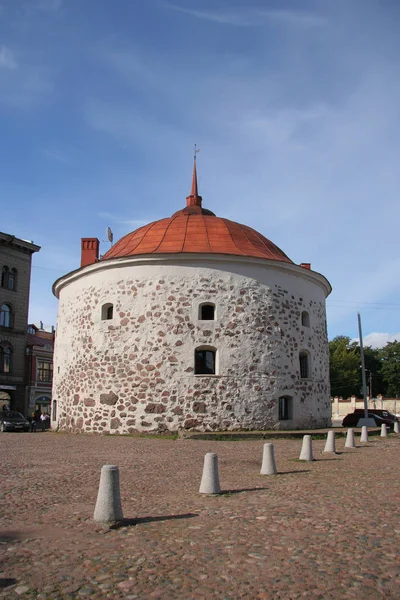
(379, 416)
(10, 420)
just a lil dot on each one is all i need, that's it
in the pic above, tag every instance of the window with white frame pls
(207, 311)
(107, 312)
(205, 361)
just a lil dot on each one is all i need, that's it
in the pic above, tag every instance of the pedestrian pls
(43, 420)
(33, 421)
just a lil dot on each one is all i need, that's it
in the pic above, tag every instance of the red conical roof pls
(196, 230)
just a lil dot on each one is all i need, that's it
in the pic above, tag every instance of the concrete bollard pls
(350, 442)
(268, 466)
(210, 479)
(396, 427)
(306, 449)
(364, 434)
(108, 505)
(383, 430)
(330, 445)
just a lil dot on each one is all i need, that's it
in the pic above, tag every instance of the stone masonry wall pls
(136, 371)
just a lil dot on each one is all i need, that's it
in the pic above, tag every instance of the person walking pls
(43, 420)
(33, 421)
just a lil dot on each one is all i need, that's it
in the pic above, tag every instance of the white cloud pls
(252, 17)
(7, 60)
(379, 340)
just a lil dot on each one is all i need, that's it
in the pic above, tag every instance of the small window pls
(107, 312)
(5, 316)
(4, 277)
(305, 319)
(204, 361)
(12, 279)
(285, 408)
(207, 312)
(5, 358)
(54, 411)
(304, 365)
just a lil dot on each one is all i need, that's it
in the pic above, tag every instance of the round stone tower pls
(191, 322)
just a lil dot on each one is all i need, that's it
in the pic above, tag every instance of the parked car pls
(10, 420)
(379, 416)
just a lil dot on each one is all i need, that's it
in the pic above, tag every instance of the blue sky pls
(295, 106)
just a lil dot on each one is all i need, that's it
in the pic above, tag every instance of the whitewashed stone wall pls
(136, 371)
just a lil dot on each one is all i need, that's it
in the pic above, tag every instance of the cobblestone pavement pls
(327, 529)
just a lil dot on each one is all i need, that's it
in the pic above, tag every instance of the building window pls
(5, 316)
(207, 312)
(9, 278)
(204, 361)
(12, 279)
(44, 371)
(107, 312)
(54, 411)
(285, 408)
(5, 358)
(305, 319)
(4, 277)
(31, 330)
(304, 365)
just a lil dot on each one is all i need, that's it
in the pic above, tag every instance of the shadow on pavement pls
(10, 536)
(7, 582)
(139, 520)
(290, 472)
(229, 492)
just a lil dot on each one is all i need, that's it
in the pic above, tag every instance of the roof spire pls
(194, 199)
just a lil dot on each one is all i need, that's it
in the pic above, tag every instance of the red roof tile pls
(196, 230)
(196, 233)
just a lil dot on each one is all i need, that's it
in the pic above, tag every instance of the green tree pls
(345, 372)
(390, 360)
(373, 367)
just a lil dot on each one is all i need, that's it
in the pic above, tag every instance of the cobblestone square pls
(326, 529)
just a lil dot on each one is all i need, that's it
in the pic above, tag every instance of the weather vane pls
(196, 150)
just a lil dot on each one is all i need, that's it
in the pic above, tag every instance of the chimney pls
(41, 325)
(306, 265)
(89, 251)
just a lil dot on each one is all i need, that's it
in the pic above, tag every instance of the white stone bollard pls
(210, 479)
(330, 445)
(396, 427)
(268, 466)
(364, 434)
(108, 505)
(350, 442)
(306, 449)
(383, 430)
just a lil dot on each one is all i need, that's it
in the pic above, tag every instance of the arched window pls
(304, 359)
(12, 279)
(207, 311)
(5, 316)
(285, 408)
(205, 361)
(107, 312)
(4, 277)
(54, 411)
(305, 319)
(5, 358)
